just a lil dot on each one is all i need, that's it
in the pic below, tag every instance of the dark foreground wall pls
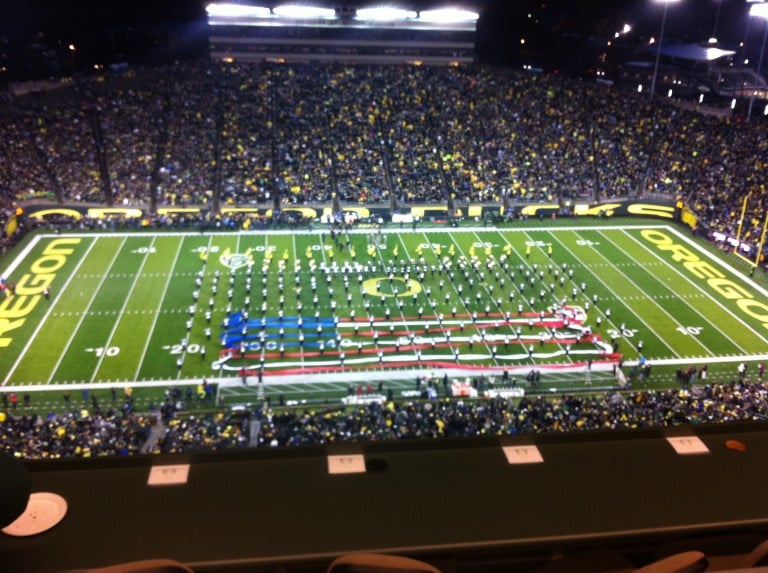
(429, 499)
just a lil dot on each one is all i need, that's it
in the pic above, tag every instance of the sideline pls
(377, 375)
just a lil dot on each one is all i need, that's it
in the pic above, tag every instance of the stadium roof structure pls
(376, 34)
(440, 18)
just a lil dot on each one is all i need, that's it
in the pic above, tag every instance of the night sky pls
(696, 17)
(555, 30)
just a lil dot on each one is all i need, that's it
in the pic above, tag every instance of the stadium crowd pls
(77, 434)
(120, 431)
(366, 133)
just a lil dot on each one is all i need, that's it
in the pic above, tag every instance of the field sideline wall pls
(662, 209)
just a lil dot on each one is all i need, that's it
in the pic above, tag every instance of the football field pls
(302, 307)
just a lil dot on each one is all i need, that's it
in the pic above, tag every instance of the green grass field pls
(133, 309)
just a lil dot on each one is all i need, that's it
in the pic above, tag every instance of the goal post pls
(754, 262)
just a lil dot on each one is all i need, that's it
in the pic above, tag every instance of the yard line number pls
(104, 351)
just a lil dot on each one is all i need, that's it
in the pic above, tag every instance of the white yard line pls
(701, 290)
(404, 321)
(44, 319)
(24, 254)
(183, 355)
(647, 296)
(389, 358)
(609, 289)
(479, 284)
(295, 257)
(529, 267)
(262, 347)
(85, 312)
(158, 309)
(136, 277)
(720, 262)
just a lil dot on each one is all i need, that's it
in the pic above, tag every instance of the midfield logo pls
(236, 260)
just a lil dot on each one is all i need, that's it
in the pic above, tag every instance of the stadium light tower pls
(713, 37)
(759, 11)
(661, 41)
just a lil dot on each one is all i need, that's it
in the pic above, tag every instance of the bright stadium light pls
(303, 12)
(448, 16)
(711, 54)
(759, 10)
(227, 10)
(384, 14)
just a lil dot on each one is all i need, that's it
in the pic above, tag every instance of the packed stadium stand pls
(218, 133)
(114, 429)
